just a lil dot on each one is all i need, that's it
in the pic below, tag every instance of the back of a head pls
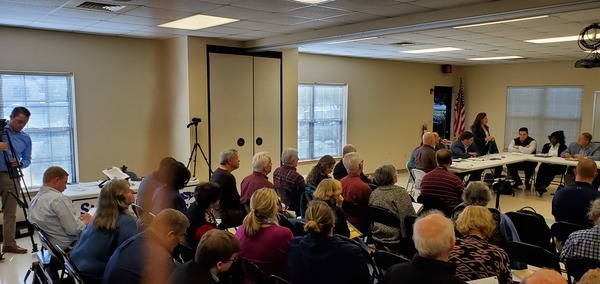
(385, 175)
(590, 277)
(586, 168)
(352, 162)
(111, 202)
(180, 175)
(226, 155)
(433, 235)
(263, 204)
(214, 246)
(594, 212)
(348, 148)
(170, 220)
(477, 193)
(206, 193)
(54, 172)
(288, 155)
(320, 219)
(544, 276)
(328, 190)
(260, 161)
(475, 218)
(443, 157)
(428, 138)
(318, 170)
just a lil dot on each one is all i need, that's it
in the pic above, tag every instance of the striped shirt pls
(443, 185)
(582, 244)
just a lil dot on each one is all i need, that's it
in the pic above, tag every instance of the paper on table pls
(417, 207)
(487, 280)
(115, 173)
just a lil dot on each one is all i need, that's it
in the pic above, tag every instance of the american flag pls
(459, 111)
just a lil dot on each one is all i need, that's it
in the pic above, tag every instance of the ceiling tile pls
(226, 30)
(316, 12)
(120, 26)
(268, 5)
(82, 14)
(397, 10)
(189, 6)
(236, 13)
(442, 4)
(27, 8)
(354, 17)
(251, 25)
(158, 13)
(360, 5)
(281, 19)
(55, 26)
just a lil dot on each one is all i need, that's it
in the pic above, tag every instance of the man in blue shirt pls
(571, 203)
(21, 143)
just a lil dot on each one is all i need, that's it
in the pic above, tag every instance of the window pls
(49, 98)
(543, 110)
(321, 120)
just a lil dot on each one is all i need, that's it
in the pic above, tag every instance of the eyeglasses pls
(233, 259)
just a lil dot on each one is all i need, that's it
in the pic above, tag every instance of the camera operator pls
(21, 143)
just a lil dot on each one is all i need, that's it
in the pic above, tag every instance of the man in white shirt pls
(526, 145)
(54, 212)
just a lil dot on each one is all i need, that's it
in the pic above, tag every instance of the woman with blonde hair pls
(263, 241)
(473, 255)
(320, 257)
(330, 191)
(111, 225)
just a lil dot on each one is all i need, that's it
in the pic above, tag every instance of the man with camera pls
(9, 188)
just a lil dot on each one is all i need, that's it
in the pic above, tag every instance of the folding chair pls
(385, 259)
(532, 255)
(532, 229)
(418, 176)
(367, 255)
(561, 231)
(70, 267)
(411, 180)
(274, 279)
(576, 267)
(54, 270)
(385, 217)
(431, 203)
(252, 273)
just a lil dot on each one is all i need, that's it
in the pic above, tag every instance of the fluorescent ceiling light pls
(500, 22)
(313, 2)
(431, 50)
(198, 22)
(351, 40)
(553, 39)
(495, 58)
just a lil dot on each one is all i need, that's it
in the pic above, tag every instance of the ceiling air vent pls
(402, 43)
(100, 6)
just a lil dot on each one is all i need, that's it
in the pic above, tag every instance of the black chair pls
(385, 259)
(432, 203)
(283, 221)
(54, 270)
(576, 267)
(274, 279)
(300, 227)
(532, 229)
(367, 255)
(532, 255)
(71, 268)
(384, 216)
(251, 272)
(561, 231)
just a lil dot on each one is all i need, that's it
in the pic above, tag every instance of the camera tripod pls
(194, 153)
(13, 167)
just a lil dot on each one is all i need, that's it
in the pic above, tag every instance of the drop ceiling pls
(398, 25)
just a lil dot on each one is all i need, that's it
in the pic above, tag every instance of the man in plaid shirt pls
(288, 182)
(585, 243)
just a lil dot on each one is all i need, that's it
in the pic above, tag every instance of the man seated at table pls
(146, 257)
(425, 156)
(571, 203)
(54, 212)
(462, 149)
(584, 147)
(439, 142)
(434, 240)
(526, 145)
(441, 184)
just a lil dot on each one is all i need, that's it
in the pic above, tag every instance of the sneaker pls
(13, 249)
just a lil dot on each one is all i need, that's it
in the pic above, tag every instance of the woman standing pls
(484, 143)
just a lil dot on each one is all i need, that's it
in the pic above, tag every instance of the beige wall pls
(388, 101)
(485, 89)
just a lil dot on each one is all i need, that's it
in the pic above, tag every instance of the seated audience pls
(583, 148)
(356, 192)
(288, 182)
(54, 212)
(463, 148)
(261, 166)
(544, 276)
(216, 253)
(477, 193)
(320, 257)
(546, 172)
(153, 181)
(526, 145)
(200, 212)
(262, 240)
(112, 225)
(411, 161)
(330, 191)
(395, 200)
(167, 196)
(441, 184)
(473, 255)
(146, 257)
(425, 156)
(320, 171)
(434, 240)
(571, 203)
(590, 277)
(585, 243)
(340, 171)
(229, 208)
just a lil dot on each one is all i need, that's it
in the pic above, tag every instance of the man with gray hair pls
(229, 209)
(434, 239)
(425, 156)
(146, 257)
(261, 166)
(339, 171)
(356, 193)
(288, 182)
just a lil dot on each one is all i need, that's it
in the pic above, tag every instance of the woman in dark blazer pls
(546, 172)
(483, 142)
